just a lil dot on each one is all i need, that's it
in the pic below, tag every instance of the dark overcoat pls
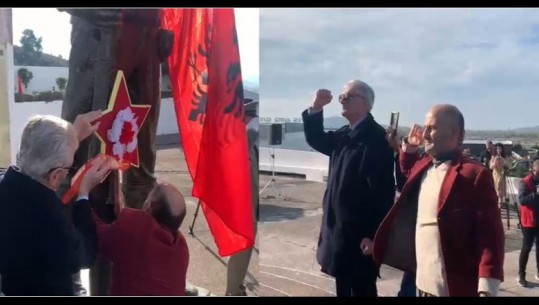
(360, 191)
(40, 248)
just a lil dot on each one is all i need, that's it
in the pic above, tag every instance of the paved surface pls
(288, 234)
(207, 271)
(289, 230)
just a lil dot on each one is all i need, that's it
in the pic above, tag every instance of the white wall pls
(19, 113)
(313, 165)
(7, 97)
(44, 78)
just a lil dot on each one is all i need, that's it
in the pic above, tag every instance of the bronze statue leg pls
(143, 72)
(79, 92)
(102, 197)
(85, 67)
(79, 99)
(95, 57)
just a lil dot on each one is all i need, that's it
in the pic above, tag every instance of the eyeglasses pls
(347, 97)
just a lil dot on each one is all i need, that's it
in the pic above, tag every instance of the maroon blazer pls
(469, 220)
(147, 259)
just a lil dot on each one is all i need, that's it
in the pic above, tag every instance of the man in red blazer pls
(149, 255)
(446, 225)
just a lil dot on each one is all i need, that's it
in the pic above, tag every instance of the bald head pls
(444, 129)
(167, 205)
(452, 116)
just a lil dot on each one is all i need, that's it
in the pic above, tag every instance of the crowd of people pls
(420, 203)
(44, 244)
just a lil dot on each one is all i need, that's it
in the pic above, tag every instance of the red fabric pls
(76, 181)
(210, 119)
(469, 220)
(146, 258)
(21, 86)
(527, 213)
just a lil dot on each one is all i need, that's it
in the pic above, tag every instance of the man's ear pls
(459, 134)
(54, 175)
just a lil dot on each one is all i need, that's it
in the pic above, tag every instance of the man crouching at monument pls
(40, 247)
(149, 254)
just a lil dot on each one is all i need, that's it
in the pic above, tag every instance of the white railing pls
(512, 187)
(315, 165)
(311, 164)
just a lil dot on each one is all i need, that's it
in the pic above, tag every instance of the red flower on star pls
(120, 125)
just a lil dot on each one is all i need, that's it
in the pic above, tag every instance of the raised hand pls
(85, 124)
(366, 246)
(97, 173)
(415, 137)
(322, 98)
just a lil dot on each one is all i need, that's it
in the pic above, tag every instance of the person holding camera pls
(446, 225)
(528, 197)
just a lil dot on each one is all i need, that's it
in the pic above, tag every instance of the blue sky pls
(55, 29)
(484, 61)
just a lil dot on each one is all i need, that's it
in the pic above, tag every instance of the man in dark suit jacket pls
(149, 255)
(40, 248)
(446, 225)
(408, 288)
(360, 188)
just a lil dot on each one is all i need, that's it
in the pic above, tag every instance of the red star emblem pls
(120, 125)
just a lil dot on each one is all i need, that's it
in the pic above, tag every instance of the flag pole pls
(194, 219)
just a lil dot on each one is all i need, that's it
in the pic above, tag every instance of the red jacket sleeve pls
(490, 236)
(407, 162)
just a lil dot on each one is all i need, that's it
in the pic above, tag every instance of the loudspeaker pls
(276, 134)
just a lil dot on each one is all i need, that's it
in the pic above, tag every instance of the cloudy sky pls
(55, 29)
(485, 61)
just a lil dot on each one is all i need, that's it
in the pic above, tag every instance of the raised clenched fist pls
(322, 98)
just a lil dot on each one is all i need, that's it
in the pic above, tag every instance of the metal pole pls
(7, 77)
(194, 219)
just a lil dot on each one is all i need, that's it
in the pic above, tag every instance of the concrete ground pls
(290, 221)
(207, 270)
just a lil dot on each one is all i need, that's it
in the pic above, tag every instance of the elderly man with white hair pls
(40, 248)
(360, 187)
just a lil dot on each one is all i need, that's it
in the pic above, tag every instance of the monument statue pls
(104, 41)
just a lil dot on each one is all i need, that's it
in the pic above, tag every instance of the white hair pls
(366, 89)
(46, 142)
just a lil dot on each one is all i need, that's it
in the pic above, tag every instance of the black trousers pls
(530, 235)
(360, 285)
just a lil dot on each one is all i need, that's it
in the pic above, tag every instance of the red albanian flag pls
(205, 74)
